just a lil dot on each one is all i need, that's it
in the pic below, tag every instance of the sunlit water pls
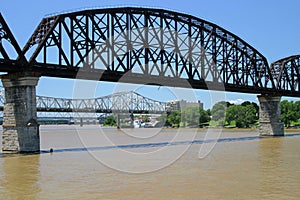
(240, 166)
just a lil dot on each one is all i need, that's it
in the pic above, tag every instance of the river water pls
(91, 162)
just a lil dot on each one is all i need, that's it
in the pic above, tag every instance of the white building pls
(182, 104)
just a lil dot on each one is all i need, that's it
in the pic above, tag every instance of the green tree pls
(232, 113)
(204, 116)
(251, 114)
(218, 112)
(174, 118)
(110, 121)
(208, 112)
(243, 115)
(246, 103)
(297, 109)
(190, 116)
(288, 112)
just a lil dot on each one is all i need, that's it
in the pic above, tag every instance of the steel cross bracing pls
(149, 46)
(123, 102)
(286, 73)
(6, 60)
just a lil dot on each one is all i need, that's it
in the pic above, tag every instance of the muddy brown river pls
(92, 162)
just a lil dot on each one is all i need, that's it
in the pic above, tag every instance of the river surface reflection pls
(240, 166)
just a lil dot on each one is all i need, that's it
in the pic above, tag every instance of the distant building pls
(182, 104)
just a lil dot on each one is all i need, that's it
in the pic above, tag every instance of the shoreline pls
(227, 129)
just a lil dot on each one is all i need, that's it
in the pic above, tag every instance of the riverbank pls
(227, 129)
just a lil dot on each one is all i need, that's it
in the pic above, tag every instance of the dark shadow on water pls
(162, 144)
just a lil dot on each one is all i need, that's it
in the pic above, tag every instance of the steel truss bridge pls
(122, 102)
(146, 46)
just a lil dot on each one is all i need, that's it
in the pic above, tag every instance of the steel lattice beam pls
(123, 102)
(147, 46)
(7, 62)
(286, 73)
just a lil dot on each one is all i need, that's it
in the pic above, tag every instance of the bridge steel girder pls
(286, 74)
(147, 46)
(7, 62)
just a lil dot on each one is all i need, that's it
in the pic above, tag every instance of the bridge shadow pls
(162, 144)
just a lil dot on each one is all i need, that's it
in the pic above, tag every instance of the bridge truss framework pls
(146, 46)
(122, 102)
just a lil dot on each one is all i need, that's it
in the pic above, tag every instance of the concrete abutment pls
(20, 127)
(269, 116)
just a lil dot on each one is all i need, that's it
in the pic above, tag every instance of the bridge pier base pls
(269, 116)
(20, 127)
(131, 120)
(118, 121)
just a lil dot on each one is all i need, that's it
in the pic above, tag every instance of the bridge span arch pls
(146, 44)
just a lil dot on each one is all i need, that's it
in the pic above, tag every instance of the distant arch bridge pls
(121, 102)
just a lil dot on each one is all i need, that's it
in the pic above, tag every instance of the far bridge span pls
(121, 102)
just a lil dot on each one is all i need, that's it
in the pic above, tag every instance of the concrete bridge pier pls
(269, 116)
(20, 127)
(131, 120)
(118, 121)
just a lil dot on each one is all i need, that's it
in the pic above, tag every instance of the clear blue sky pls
(272, 27)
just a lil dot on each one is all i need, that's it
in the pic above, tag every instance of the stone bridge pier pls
(20, 127)
(269, 116)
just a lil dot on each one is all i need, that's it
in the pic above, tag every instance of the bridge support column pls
(20, 127)
(118, 121)
(131, 120)
(269, 116)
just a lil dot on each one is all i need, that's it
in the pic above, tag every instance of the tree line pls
(290, 112)
(223, 113)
